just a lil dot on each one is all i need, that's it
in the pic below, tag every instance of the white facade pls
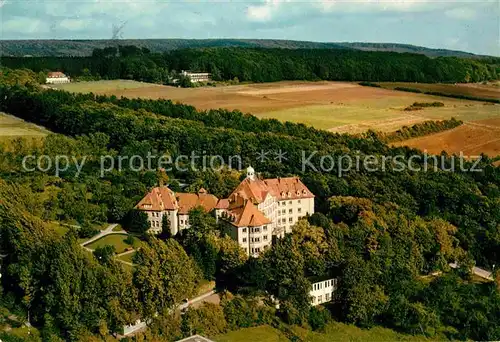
(288, 212)
(197, 76)
(252, 239)
(323, 291)
(57, 78)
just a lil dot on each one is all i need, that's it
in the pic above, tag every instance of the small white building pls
(323, 291)
(197, 76)
(57, 77)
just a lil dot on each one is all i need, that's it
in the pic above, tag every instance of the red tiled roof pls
(255, 190)
(158, 199)
(55, 74)
(281, 188)
(162, 198)
(222, 204)
(247, 216)
(288, 188)
(201, 199)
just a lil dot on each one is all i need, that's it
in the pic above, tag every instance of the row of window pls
(324, 284)
(155, 214)
(257, 239)
(283, 203)
(290, 211)
(254, 229)
(319, 299)
(155, 224)
(289, 194)
(255, 250)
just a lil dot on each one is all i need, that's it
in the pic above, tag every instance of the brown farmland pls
(480, 90)
(338, 106)
(472, 139)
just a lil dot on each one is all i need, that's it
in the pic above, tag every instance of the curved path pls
(103, 233)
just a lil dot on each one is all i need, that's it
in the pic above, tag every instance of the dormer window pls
(282, 194)
(304, 192)
(298, 193)
(289, 194)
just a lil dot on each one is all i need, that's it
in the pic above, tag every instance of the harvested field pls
(472, 138)
(339, 107)
(489, 90)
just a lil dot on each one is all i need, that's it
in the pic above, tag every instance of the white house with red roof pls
(254, 212)
(57, 77)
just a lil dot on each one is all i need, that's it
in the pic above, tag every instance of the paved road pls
(207, 296)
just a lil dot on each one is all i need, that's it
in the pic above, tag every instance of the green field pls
(12, 127)
(384, 114)
(334, 332)
(337, 106)
(127, 257)
(101, 86)
(116, 240)
(263, 333)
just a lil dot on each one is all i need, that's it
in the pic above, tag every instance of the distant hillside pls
(85, 47)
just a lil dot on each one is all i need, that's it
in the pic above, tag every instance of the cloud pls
(26, 25)
(266, 11)
(463, 13)
(73, 24)
(259, 13)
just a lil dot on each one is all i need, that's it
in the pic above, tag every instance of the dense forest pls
(382, 233)
(264, 65)
(84, 48)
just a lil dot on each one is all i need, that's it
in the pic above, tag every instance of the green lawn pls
(343, 332)
(11, 127)
(117, 240)
(334, 332)
(263, 333)
(118, 228)
(127, 257)
(102, 86)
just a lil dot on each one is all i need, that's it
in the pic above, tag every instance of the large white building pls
(259, 209)
(57, 77)
(255, 212)
(323, 291)
(197, 76)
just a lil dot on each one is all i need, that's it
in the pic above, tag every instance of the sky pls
(472, 26)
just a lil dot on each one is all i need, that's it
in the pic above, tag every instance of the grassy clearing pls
(118, 228)
(342, 332)
(328, 116)
(116, 240)
(127, 257)
(12, 127)
(59, 229)
(263, 333)
(102, 86)
(334, 332)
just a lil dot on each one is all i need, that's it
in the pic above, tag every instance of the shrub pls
(318, 317)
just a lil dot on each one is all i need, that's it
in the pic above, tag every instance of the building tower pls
(250, 173)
